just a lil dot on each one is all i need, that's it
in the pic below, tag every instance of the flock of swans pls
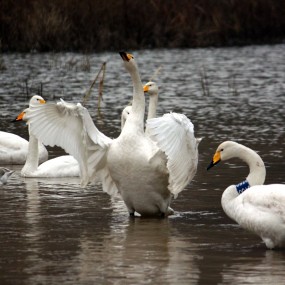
(148, 164)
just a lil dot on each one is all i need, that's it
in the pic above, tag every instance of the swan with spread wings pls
(132, 164)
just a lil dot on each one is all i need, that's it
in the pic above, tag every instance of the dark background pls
(96, 25)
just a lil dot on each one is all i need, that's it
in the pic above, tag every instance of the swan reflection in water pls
(136, 249)
(96, 241)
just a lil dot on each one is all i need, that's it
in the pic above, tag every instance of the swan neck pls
(138, 104)
(138, 93)
(33, 154)
(256, 176)
(153, 99)
(257, 170)
(227, 199)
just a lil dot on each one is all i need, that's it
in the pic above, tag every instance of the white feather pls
(70, 127)
(174, 134)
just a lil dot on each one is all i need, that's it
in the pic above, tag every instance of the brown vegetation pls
(89, 25)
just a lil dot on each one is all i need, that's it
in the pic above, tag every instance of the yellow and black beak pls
(19, 117)
(216, 159)
(125, 56)
(145, 88)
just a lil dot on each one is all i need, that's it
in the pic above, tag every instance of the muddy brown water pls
(52, 231)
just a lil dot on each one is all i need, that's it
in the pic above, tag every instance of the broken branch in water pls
(101, 83)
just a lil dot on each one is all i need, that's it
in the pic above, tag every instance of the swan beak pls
(145, 88)
(216, 159)
(20, 117)
(125, 56)
(42, 101)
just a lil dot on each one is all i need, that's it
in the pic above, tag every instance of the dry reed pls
(90, 25)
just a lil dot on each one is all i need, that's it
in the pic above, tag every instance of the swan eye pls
(222, 149)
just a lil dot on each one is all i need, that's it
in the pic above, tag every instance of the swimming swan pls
(14, 149)
(62, 166)
(255, 207)
(131, 164)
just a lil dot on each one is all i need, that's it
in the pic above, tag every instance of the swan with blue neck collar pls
(256, 207)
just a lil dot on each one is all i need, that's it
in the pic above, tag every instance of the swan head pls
(129, 60)
(126, 56)
(151, 88)
(225, 151)
(126, 112)
(34, 101)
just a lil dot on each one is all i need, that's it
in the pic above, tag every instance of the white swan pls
(177, 127)
(62, 166)
(5, 173)
(255, 207)
(132, 164)
(14, 149)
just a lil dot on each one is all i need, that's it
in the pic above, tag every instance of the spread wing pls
(71, 127)
(174, 135)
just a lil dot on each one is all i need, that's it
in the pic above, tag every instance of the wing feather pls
(174, 135)
(71, 127)
(266, 199)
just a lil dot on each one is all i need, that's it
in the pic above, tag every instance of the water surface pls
(53, 231)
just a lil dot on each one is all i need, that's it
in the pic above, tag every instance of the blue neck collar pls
(241, 187)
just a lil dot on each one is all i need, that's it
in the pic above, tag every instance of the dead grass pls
(90, 25)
